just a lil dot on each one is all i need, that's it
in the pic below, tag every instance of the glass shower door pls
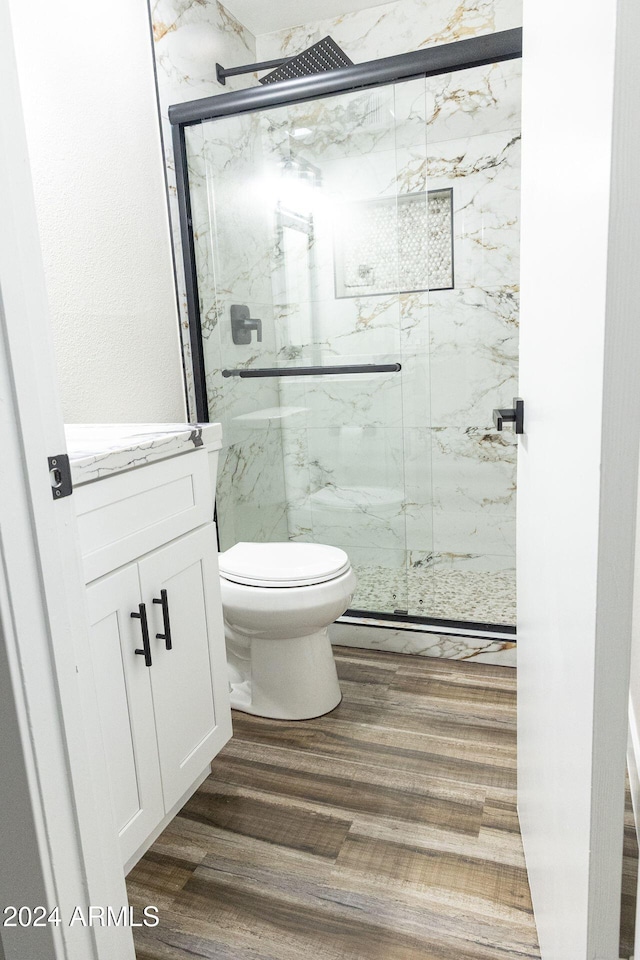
(296, 218)
(473, 149)
(375, 228)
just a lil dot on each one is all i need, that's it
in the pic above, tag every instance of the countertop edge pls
(97, 451)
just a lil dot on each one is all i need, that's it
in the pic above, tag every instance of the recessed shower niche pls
(404, 241)
(375, 229)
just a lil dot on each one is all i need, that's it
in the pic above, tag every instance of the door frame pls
(55, 797)
(579, 324)
(57, 839)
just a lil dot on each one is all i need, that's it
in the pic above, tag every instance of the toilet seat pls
(282, 564)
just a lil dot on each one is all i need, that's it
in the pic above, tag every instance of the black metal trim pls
(166, 636)
(60, 476)
(247, 373)
(443, 58)
(145, 651)
(190, 273)
(223, 72)
(434, 621)
(415, 628)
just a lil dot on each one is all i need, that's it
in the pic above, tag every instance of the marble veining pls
(397, 27)
(188, 37)
(487, 649)
(103, 449)
(404, 471)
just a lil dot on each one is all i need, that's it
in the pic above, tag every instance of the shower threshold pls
(459, 628)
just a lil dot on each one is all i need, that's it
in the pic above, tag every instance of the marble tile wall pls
(188, 39)
(397, 27)
(501, 653)
(232, 254)
(474, 337)
(439, 529)
(405, 472)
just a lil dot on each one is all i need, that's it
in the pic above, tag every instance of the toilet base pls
(293, 679)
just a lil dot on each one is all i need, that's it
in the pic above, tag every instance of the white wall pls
(88, 91)
(577, 462)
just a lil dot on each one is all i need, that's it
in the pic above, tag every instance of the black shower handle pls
(256, 325)
(242, 324)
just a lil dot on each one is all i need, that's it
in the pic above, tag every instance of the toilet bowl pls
(278, 600)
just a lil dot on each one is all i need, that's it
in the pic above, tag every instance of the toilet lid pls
(282, 564)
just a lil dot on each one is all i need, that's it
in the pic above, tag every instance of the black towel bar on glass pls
(313, 371)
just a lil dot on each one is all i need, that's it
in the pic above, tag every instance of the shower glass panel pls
(374, 227)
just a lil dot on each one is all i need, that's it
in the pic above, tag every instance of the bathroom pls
(302, 302)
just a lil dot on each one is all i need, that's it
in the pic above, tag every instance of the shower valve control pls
(242, 325)
(514, 415)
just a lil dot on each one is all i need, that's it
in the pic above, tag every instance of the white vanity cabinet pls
(125, 700)
(149, 550)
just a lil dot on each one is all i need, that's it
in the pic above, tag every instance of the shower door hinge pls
(60, 476)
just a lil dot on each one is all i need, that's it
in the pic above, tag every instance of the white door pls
(577, 467)
(69, 848)
(180, 586)
(125, 703)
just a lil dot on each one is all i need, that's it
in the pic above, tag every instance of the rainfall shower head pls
(322, 56)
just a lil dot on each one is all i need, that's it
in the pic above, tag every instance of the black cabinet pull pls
(166, 636)
(144, 626)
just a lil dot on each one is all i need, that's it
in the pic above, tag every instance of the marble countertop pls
(99, 450)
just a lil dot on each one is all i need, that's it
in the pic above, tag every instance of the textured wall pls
(91, 117)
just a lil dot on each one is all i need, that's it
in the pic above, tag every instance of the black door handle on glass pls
(141, 615)
(166, 636)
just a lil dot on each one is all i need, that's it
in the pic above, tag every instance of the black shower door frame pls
(429, 62)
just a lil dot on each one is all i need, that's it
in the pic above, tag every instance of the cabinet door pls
(189, 681)
(123, 685)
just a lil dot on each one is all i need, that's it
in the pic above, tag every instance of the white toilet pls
(278, 600)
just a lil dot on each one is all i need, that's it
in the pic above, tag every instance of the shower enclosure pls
(351, 248)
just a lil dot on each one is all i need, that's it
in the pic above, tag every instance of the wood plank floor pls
(386, 830)
(629, 879)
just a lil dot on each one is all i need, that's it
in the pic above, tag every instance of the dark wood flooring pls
(386, 830)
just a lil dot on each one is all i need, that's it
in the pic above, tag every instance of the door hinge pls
(60, 476)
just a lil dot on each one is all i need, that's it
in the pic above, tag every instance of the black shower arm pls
(222, 73)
